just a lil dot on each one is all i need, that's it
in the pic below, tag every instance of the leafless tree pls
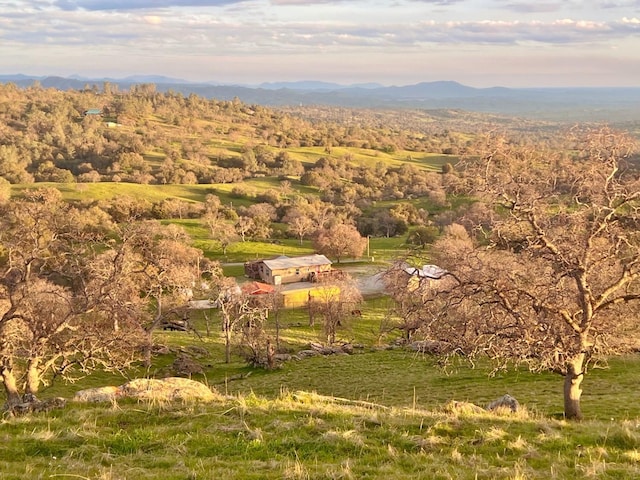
(300, 226)
(166, 270)
(53, 319)
(333, 302)
(553, 280)
(245, 320)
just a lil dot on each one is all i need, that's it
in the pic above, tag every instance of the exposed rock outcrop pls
(162, 390)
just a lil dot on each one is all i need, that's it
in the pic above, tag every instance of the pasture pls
(383, 412)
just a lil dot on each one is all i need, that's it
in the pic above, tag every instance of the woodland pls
(536, 225)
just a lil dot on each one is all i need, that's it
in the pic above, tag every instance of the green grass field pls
(306, 420)
(289, 425)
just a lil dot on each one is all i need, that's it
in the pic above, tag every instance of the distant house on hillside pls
(92, 111)
(285, 269)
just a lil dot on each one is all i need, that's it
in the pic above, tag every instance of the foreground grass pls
(395, 377)
(306, 436)
(308, 420)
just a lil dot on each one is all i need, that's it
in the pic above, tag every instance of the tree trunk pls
(277, 319)
(146, 350)
(206, 323)
(312, 316)
(227, 341)
(148, 344)
(33, 376)
(10, 386)
(572, 391)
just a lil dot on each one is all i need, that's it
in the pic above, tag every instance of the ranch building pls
(283, 269)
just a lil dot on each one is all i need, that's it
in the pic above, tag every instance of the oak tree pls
(54, 319)
(553, 279)
(334, 303)
(339, 241)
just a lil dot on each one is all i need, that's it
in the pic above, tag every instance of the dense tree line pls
(144, 136)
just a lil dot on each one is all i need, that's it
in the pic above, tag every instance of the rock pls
(307, 353)
(31, 404)
(196, 351)
(163, 390)
(168, 389)
(505, 402)
(347, 348)
(101, 394)
(186, 366)
(160, 350)
(468, 408)
(51, 403)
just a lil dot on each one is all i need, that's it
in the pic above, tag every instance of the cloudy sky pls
(480, 43)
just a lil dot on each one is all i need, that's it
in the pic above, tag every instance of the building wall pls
(300, 297)
(290, 275)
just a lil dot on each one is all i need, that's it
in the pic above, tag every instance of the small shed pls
(427, 271)
(257, 288)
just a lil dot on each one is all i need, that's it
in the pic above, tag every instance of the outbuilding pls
(283, 269)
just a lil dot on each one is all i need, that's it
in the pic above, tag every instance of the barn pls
(283, 269)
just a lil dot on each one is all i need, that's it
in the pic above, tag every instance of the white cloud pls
(113, 33)
(152, 19)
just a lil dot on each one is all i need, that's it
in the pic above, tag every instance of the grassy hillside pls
(382, 412)
(304, 435)
(379, 413)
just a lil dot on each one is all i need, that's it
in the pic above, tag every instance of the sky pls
(480, 43)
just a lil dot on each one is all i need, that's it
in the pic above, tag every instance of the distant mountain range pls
(560, 104)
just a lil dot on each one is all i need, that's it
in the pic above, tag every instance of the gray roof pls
(296, 262)
(428, 271)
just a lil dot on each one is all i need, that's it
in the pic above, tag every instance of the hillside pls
(304, 435)
(114, 202)
(156, 155)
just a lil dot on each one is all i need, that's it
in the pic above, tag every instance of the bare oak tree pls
(244, 320)
(54, 320)
(165, 270)
(553, 281)
(334, 303)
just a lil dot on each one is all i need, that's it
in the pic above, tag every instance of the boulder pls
(185, 365)
(463, 408)
(307, 353)
(282, 357)
(168, 390)
(505, 402)
(31, 404)
(162, 390)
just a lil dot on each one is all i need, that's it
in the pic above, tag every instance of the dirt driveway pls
(368, 278)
